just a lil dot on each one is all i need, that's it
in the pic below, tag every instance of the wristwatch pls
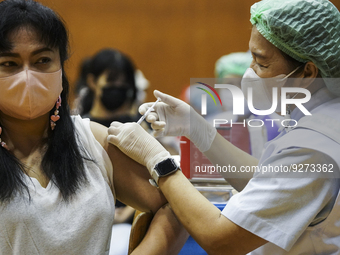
(163, 168)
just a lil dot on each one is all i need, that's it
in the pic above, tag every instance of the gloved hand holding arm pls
(135, 142)
(173, 117)
(214, 232)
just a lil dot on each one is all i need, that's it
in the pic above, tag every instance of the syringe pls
(148, 111)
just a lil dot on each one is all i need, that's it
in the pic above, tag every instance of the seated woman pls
(59, 178)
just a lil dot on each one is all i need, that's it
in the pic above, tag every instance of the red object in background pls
(192, 157)
(184, 145)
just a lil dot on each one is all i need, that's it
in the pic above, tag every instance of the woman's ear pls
(90, 80)
(310, 70)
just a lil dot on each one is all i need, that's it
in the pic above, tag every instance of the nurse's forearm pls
(224, 153)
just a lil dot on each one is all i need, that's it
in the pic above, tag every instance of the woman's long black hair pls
(63, 162)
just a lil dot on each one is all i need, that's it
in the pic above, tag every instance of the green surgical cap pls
(233, 64)
(306, 30)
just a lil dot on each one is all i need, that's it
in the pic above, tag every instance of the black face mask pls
(113, 97)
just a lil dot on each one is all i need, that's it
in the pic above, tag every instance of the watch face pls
(166, 166)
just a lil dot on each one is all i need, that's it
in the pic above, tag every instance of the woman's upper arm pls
(130, 179)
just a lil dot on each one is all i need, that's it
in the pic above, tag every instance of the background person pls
(111, 88)
(273, 213)
(231, 67)
(59, 178)
(107, 92)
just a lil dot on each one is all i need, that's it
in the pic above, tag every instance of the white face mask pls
(262, 88)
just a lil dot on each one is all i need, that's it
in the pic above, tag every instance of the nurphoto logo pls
(238, 102)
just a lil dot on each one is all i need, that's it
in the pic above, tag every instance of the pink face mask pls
(29, 94)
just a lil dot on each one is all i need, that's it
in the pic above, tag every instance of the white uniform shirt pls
(292, 213)
(46, 225)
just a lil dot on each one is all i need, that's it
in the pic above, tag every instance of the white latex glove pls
(136, 143)
(173, 117)
(169, 111)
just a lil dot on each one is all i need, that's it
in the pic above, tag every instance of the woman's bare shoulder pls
(100, 133)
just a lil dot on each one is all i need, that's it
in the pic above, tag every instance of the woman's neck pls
(24, 136)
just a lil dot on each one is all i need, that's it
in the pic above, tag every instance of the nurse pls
(274, 213)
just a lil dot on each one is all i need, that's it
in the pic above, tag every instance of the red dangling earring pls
(55, 117)
(3, 144)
